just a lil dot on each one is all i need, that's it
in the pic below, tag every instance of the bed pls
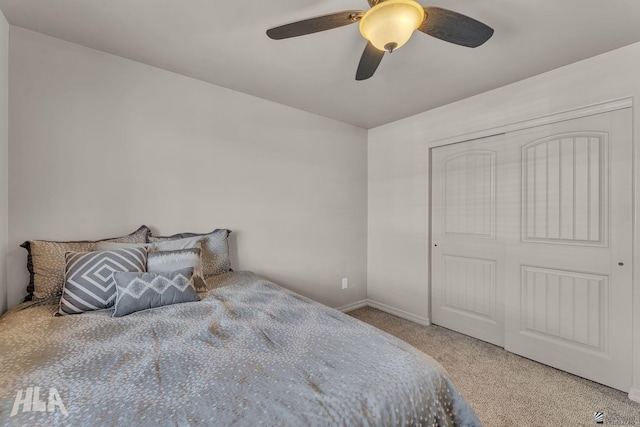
(158, 330)
(249, 353)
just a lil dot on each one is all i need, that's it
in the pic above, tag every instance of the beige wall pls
(100, 144)
(4, 154)
(398, 172)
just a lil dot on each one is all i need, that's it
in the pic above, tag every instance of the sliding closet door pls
(568, 255)
(467, 251)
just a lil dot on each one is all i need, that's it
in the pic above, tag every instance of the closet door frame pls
(612, 105)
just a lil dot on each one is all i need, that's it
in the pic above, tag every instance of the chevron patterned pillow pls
(142, 291)
(89, 281)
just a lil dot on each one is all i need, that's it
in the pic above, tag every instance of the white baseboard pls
(352, 306)
(387, 309)
(634, 394)
(400, 313)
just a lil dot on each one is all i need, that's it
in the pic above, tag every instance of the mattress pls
(250, 353)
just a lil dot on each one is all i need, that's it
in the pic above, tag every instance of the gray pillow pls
(109, 246)
(46, 261)
(142, 291)
(89, 277)
(177, 244)
(215, 249)
(170, 261)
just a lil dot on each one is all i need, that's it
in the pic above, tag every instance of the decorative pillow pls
(170, 261)
(215, 249)
(142, 291)
(177, 244)
(109, 246)
(46, 261)
(89, 277)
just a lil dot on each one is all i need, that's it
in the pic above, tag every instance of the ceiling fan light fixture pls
(389, 24)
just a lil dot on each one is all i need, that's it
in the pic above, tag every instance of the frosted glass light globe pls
(390, 24)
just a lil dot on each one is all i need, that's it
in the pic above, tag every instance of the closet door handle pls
(621, 263)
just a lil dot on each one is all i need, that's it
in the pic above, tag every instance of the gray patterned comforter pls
(249, 354)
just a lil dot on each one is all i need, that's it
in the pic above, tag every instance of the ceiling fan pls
(388, 25)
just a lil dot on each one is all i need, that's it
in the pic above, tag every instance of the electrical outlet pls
(345, 283)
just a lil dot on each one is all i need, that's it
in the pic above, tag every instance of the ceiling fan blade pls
(315, 25)
(369, 62)
(454, 27)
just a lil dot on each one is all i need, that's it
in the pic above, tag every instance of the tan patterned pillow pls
(46, 261)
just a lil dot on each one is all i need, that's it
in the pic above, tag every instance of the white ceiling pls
(225, 43)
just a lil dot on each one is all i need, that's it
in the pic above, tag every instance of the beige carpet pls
(509, 390)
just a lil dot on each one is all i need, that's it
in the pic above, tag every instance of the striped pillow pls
(215, 248)
(170, 261)
(89, 283)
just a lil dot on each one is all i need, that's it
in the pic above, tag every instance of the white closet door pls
(467, 286)
(569, 246)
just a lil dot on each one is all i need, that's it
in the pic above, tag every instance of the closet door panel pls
(568, 260)
(467, 263)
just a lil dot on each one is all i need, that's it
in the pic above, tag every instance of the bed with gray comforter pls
(249, 354)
